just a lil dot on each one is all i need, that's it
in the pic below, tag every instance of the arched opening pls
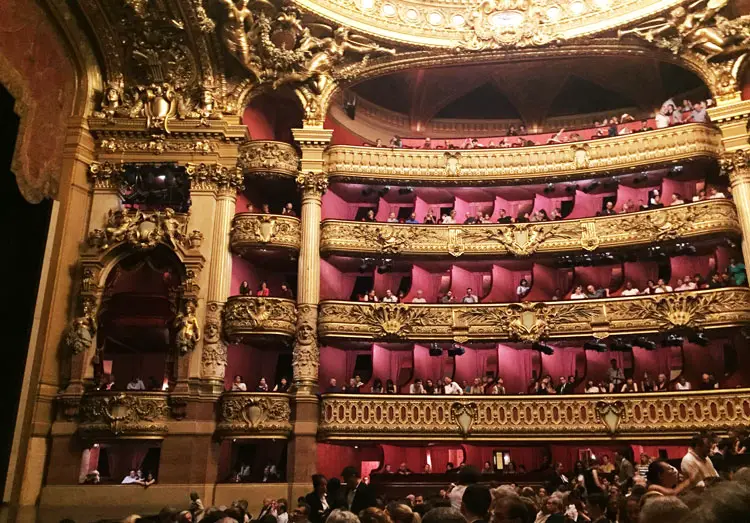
(26, 240)
(136, 323)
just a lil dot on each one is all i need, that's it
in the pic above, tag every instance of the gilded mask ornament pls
(464, 415)
(610, 413)
(187, 331)
(392, 320)
(501, 24)
(143, 230)
(452, 163)
(682, 309)
(124, 413)
(522, 239)
(589, 238)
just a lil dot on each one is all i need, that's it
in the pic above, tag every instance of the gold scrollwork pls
(262, 156)
(271, 230)
(247, 414)
(145, 230)
(255, 315)
(124, 414)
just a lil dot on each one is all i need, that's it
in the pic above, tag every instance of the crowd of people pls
(617, 380)
(136, 477)
(264, 291)
(286, 210)
(705, 488)
(668, 115)
(239, 385)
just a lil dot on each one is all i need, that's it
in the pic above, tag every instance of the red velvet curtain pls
(426, 366)
(504, 284)
(639, 273)
(598, 363)
(334, 284)
(586, 205)
(545, 280)
(637, 196)
(560, 363)
(386, 363)
(691, 265)
(426, 281)
(515, 367)
(461, 279)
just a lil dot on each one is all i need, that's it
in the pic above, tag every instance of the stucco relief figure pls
(235, 28)
(187, 330)
(82, 329)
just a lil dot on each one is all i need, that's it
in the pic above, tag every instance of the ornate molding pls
(624, 416)
(214, 177)
(250, 315)
(700, 219)
(538, 163)
(736, 165)
(533, 321)
(132, 415)
(250, 231)
(312, 183)
(144, 230)
(251, 415)
(261, 157)
(157, 146)
(306, 353)
(105, 175)
(214, 350)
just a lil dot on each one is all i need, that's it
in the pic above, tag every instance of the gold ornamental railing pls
(701, 219)
(664, 415)
(254, 415)
(128, 415)
(268, 157)
(251, 315)
(252, 231)
(534, 321)
(538, 163)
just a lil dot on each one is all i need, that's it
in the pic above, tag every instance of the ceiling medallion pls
(500, 24)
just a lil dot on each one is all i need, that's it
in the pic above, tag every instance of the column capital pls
(312, 136)
(215, 177)
(736, 164)
(733, 119)
(312, 183)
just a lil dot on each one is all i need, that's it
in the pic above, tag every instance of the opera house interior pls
(285, 260)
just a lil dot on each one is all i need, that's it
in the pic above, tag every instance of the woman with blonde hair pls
(374, 515)
(401, 513)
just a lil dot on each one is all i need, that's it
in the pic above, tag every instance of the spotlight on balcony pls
(543, 348)
(405, 190)
(435, 350)
(385, 190)
(673, 340)
(550, 188)
(367, 191)
(618, 344)
(456, 350)
(595, 345)
(591, 187)
(385, 267)
(644, 343)
(365, 265)
(570, 189)
(699, 338)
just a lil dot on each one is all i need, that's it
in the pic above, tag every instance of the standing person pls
(359, 495)
(318, 499)
(282, 516)
(695, 464)
(475, 503)
(624, 468)
(467, 475)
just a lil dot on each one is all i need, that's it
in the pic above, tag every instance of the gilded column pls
(733, 118)
(313, 181)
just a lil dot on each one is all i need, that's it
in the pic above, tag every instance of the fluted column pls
(313, 181)
(733, 118)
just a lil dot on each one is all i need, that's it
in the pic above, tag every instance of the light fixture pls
(644, 343)
(673, 340)
(543, 348)
(618, 344)
(699, 338)
(456, 350)
(435, 350)
(595, 345)
(405, 190)
(550, 188)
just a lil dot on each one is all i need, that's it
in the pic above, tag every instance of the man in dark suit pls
(318, 499)
(475, 503)
(359, 495)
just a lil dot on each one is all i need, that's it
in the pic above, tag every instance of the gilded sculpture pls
(253, 314)
(500, 24)
(80, 335)
(306, 352)
(243, 412)
(266, 229)
(116, 414)
(187, 330)
(144, 230)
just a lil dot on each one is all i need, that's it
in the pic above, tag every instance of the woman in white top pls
(578, 294)
(450, 218)
(392, 218)
(591, 388)
(523, 289)
(239, 384)
(662, 287)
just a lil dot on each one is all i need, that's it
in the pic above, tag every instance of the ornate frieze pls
(157, 146)
(214, 176)
(622, 416)
(534, 321)
(251, 415)
(124, 415)
(268, 157)
(313, 183)
(145, 230)
(538, 163)
(214, 350)
(306, 353)
(700, 219)
(250, 231)
(251, 315)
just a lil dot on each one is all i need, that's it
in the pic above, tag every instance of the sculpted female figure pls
(188, 331)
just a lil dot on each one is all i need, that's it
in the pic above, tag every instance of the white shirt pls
(453, 388)
(390, 299)
(239, 387)
(136, 385)
(521, 290)
(686, 386)
(419, 300)
(282, 518)
(575, 296)
(630, 292)
(696, 468)
(471, 298)
(660, 290)
(662, 121)
(456, 495)
(448, 219)
(129, 480)
(416, 389)
(717, 195)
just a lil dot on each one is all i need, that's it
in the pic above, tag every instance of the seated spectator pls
(629, 386)
(662, 287)
(131, 479)
(390, 387)
(477, 387)
(389, 297)
(449, 219)
(699, 113)
(629, 290)
(609, 209)
(377, 386)
(282, 385)
(578, 293)
(265, 209)
(239, 384)
(352, 387)
(650, 287)
(677, 199)
(662, 385)
(713, 194)
(263, 290)
(656, 202)
(503, 217)
(417, 387)
(512, 131)
(708, 382)
(648, 384)
(469, 220)
(396, 142)
(419, 298)
(523, 289)
(557, 295)
(379, 143)
(135, 384)
(716, 282)
(700, 196)
(288, 210)
(594, 293)
(430, 218)
(412, 218)
(498, 387)
(370, 216)
(695, 464)
(470, 297)
(542, 216)
(737, 272)
(371, 297)
(286, 292)
(592, 388)
(392, 218)
(555, 215)
(448, 298)
(557, 138)
(262, 386)
(682, 384)
(451, 387)
(403, 469)
(244, 288)
(427, 143)
(332, 386)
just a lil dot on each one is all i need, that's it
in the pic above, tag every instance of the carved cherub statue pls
(118, 225)
(82, 329)
(187, 330)
(170, 226)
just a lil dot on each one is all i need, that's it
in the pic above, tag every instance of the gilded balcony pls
(264, 231)
(254, 415)
(534, 321)
(701, 219)
(667, 415)
(255, 316)
(127, 415)
(535, 164)
(263, 157)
